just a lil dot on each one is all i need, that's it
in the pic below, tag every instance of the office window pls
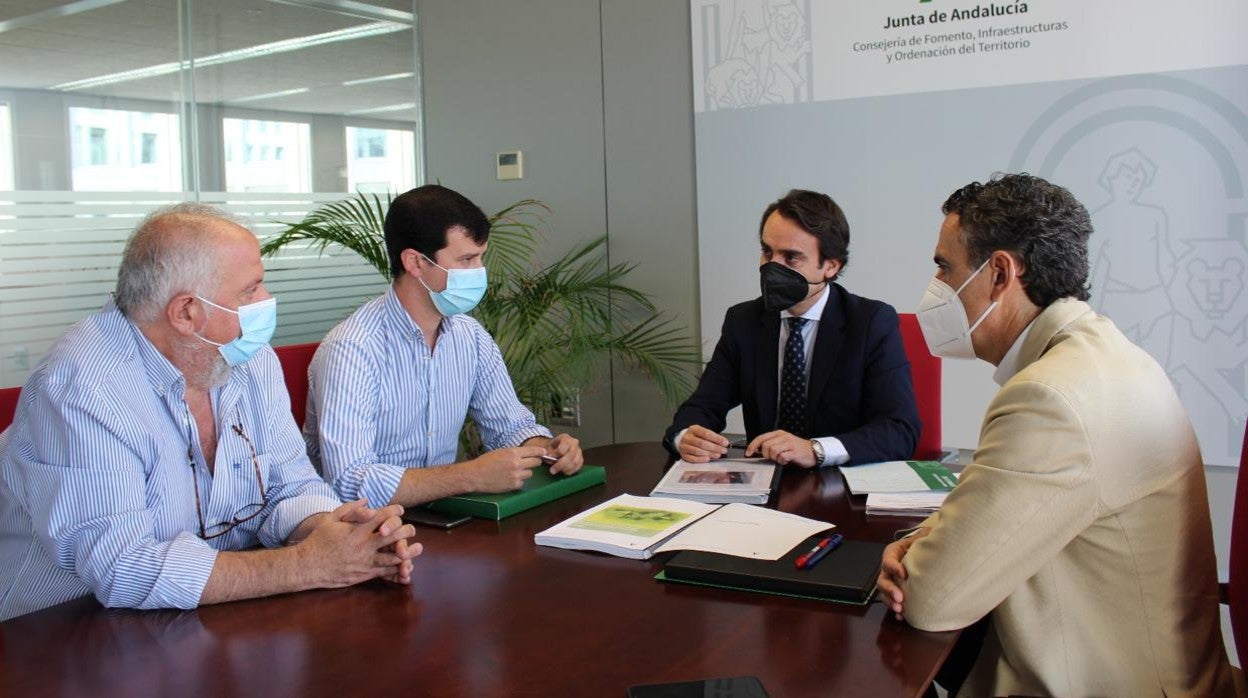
(118, 150)
(147, 152)
(369, 143)
(98, 145)
(267, 156)
(6, 149)
(380, 160)
(96, 131)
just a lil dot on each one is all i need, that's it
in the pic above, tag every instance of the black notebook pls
(847, 574)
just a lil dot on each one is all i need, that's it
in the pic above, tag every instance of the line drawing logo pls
(754, 52)
(1160, 162)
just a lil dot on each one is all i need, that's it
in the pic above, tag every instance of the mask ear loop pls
(422, 254)
(982, 317)
(991, 306)
(199, 333)
(972, 277)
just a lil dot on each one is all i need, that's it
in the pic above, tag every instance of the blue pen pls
(816, 556)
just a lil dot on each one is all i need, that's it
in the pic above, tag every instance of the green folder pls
(542, 487)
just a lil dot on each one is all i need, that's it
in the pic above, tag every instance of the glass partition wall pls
(266, 108)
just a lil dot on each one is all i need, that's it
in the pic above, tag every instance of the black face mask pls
(782, 287)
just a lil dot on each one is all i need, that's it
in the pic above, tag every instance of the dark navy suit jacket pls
(859, 387)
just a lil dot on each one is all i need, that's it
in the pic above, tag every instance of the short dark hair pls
(818, 215)
(1039, 222)
(420, 219)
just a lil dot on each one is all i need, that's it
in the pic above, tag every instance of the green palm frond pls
(662, 350)
(355, 224)
(513, 238)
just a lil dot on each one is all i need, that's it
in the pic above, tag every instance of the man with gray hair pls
(154, 447)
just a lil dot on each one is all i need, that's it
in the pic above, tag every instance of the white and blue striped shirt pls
(379, 401)
(96, 492)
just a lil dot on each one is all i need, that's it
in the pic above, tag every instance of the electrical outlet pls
(566, 410)
(21, 358)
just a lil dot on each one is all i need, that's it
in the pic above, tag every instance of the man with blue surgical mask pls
(154, 448)
(1080, 532)
(390, 387)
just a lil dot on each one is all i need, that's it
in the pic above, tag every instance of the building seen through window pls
(267, 156)
(118, 150)
(380, 160)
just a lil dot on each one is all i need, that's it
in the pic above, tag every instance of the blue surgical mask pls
(464, 289)
(256, 322)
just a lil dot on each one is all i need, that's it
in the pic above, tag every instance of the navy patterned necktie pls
(793, 381)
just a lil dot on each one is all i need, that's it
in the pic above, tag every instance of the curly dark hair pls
(1039, 222)
(818, 215)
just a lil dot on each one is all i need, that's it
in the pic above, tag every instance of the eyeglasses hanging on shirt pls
(244, 514)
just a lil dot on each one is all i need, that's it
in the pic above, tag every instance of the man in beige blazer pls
(1082, 527)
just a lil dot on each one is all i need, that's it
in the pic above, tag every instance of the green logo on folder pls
(935, 475)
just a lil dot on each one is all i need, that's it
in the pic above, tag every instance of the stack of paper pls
(905, 503)
(906, 488)
(639, 527)
(720, 482)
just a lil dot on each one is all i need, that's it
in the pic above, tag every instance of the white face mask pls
(942, 318)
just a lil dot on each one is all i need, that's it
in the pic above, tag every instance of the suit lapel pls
(767, 344)
(828, 343)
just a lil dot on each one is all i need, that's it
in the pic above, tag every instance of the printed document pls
(746, 530)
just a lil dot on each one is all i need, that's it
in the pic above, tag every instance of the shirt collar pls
(165, 377)
(1009, 365)
(404, 322)
(814, 312)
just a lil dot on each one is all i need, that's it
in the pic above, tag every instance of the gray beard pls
(204, 369)
(219, 372)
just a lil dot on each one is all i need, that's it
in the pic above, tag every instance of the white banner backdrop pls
(1140, 108)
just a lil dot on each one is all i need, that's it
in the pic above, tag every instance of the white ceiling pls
(94, 38)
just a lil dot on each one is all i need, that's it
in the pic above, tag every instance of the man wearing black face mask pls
(821, 374)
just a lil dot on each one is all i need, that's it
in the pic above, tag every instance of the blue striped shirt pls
(96, 492)
(379, 401)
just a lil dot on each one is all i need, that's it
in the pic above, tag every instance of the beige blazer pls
(1083, 528)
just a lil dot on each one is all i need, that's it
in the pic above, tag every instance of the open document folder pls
(638, 527)
(750, 481)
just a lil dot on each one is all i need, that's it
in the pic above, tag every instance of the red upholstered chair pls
(295, 359)
(1237, 584)
(925, 373)
(8, 405)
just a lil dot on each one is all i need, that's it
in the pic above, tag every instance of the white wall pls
(607, 144)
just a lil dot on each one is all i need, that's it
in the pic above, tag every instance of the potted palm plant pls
(554, 324)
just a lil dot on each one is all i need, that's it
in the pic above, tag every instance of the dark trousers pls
(957, 666)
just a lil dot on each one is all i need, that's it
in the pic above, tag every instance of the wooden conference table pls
(491, 614)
